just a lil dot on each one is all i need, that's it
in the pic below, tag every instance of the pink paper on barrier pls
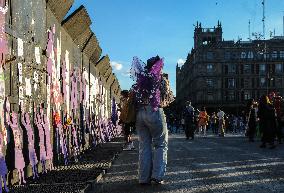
(32, 154)
(3, 40)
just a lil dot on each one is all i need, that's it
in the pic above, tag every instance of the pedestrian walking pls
(278, 104)
(214, 123)
(221, 119)
(151, 123)
(267, 121)
(202, 121)
(125, 119)
(251, 123)
(235, 124)
(188, 114)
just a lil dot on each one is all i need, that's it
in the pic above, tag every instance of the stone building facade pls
(221, 73)
(52, 63)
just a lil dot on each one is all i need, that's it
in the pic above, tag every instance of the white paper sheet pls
(28, 87)
(20, 47)
(37, 55)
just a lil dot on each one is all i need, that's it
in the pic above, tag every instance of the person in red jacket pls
(203, 121)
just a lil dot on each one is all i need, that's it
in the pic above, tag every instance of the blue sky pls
(145, 28)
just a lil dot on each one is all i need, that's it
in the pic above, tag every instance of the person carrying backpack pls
(126, 119)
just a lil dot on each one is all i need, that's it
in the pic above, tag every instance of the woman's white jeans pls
(153, 143)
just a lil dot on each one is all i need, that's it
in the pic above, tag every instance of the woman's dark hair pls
(124, 93)
(263, 100)
(151, 62)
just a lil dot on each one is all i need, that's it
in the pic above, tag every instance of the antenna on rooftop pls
(274, 32)
(263, 18)
(249, 31)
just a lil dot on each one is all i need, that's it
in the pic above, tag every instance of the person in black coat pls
(267, 121)
(251, 120)
(279, 105)
(188, 115)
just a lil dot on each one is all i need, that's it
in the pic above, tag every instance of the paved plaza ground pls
(207, 164)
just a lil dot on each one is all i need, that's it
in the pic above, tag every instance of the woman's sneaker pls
(157, 182)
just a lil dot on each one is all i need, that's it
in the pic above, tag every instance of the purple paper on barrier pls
(32, 154)
(33, 158)
(3, 166)
(49, 50)
(49, 150)
(39, 124)
(18, 139)
(75, 142)
(74, 90)
(63, 144)
(64, 83)
(3, 40)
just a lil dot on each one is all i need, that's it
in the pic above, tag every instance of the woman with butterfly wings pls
(150, 119)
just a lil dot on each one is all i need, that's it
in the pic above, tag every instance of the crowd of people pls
(262, 119)
(202, 122)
